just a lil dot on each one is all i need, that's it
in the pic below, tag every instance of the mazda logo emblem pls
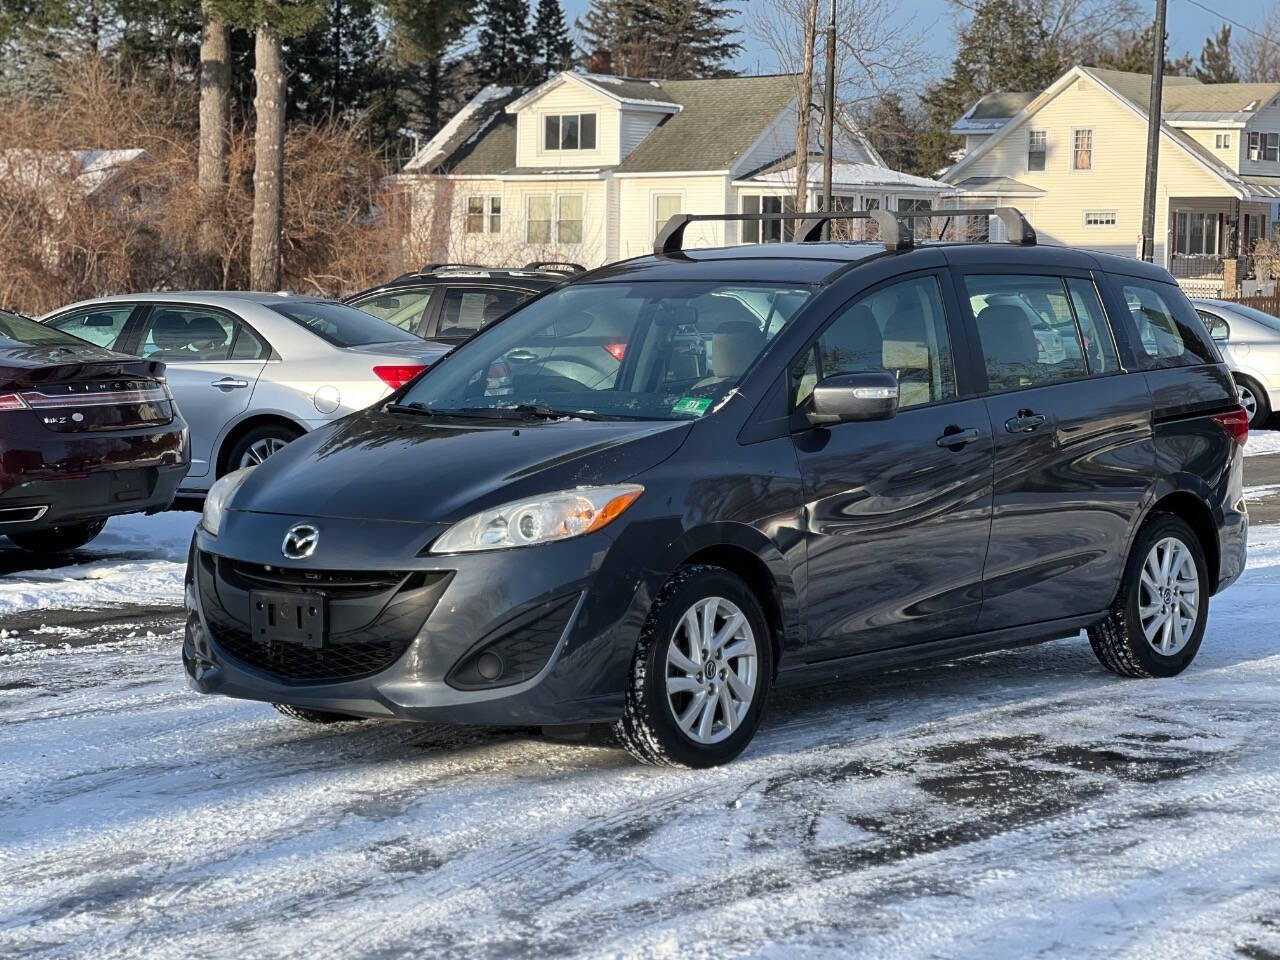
(300, 542)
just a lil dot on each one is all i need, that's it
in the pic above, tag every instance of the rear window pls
(339, 324)
(1165, 329)
(15, 329)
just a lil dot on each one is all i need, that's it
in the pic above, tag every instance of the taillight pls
(11, 401)
(1236, 423)
(619, 350)
(397, 376)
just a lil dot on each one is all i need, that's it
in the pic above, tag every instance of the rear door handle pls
(522, 356)
(957, 437)
(229, 383)
(1024, 422)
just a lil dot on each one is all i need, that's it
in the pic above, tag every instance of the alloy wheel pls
(1169, 599)
(712, 670)
(260, 451)
(1247, 400)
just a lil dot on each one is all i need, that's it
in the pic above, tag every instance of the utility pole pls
(1153, 136)
(829, 119)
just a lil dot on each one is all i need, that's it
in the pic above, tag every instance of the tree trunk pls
(268, 161)
(215, 99)
(804, 107)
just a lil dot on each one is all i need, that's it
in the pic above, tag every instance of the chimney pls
(601, 62)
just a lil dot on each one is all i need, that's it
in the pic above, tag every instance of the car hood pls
(377, 465)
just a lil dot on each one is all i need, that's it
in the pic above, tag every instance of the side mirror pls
(848, 397)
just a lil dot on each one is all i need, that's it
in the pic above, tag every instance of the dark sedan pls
(85, 434)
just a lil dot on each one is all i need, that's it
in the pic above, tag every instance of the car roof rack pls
(436, 267)
(895, 230)
(555, 266)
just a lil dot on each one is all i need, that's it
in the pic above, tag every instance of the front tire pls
(314, 716)
(701, 673)
(1254, 400)
(59, 539)
(1158, 618)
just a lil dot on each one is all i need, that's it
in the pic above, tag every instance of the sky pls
(1188, 25)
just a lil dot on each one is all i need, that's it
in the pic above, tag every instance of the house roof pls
(849, 175)
(998, 185)
(992, 112)
(716, 123)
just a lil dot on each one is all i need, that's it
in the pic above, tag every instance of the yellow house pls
(1073, 159)
(587, 167)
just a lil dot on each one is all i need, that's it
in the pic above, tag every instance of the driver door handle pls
(522, 356)
(229, 383)
(956, 437)
(1024, 422)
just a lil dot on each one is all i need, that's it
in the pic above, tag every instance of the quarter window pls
(1082, 154)
(1166, 325)
(1037, 148)
(1217, 327)
(1027, 330)
(900, 328)
(569, 131)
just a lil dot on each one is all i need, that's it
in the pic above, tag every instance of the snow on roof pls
(435, 148)
(854, 175)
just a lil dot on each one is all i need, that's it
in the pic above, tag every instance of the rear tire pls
(259, 445)
(59, 539)
(314, 716)
(1158, 618)
(1254, 400)
(695, 696)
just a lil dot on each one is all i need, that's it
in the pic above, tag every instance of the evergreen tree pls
(1133, 54)
(505, 51)
(1215, 59)
(551, 36)
(664, 39)
(893, 130)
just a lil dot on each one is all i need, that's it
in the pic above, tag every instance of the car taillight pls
(1236, 423)
(11, 401)
(397, 376)
(619, 350)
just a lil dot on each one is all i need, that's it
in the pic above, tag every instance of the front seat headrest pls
(734, 346)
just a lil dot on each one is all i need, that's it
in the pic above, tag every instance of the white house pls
(587, 168)
(1073, 159)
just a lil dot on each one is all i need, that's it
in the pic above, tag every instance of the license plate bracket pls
(280, 617)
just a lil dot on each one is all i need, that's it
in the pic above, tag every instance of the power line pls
(1235, 23)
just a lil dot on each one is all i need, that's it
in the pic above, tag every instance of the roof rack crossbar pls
(895, 229)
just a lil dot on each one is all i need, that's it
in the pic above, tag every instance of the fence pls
(1267, 304)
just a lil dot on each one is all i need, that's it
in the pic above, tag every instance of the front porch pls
(1211, 240)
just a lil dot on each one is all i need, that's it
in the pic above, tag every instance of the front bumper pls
(404, 642)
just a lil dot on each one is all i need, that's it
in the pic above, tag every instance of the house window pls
(537, 224)
(1255, 146)
(569, 131)
(1271, 147)
(919, 226)
(768, 231)
(484, 214)
(1196, 234)
(1082, 152)
(1222, 141)
(665, 206)
(569, 218)
(1099, 218)
(1037, 148)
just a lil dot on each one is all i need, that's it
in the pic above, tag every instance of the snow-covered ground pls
(1013, 805)
(1262, 442)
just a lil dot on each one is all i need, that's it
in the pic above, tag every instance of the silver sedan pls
(1250, 343)
(252, 371)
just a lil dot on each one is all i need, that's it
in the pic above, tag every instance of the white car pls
(1250, 343)
(253, 371)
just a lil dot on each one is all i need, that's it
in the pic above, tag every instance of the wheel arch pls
(1186, 502)
(241, 427)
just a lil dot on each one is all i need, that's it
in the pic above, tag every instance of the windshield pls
(339, 324)
(16, 329)
(659, 350)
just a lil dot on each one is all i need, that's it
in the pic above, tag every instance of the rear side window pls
(1166, 330)
(1099, 344)
(1027, 329)
(466, 311)
(339, 324)
(1216, 326)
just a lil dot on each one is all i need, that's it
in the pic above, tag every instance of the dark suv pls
(448, 302)
(811, 459)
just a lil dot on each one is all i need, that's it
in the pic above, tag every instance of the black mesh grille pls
(373, 617)
(523, 647)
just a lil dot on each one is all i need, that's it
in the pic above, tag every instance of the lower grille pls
(373, 617)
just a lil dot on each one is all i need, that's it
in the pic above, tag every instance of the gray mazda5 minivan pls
(651, 495)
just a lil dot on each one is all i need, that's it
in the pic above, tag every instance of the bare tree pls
(268, 165)
(215, 123)
(1258, 56)
(804, 106)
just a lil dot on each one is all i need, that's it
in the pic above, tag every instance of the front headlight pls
(556, 516)
(220, 494)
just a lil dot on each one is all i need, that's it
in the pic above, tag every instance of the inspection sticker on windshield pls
(694, 405)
